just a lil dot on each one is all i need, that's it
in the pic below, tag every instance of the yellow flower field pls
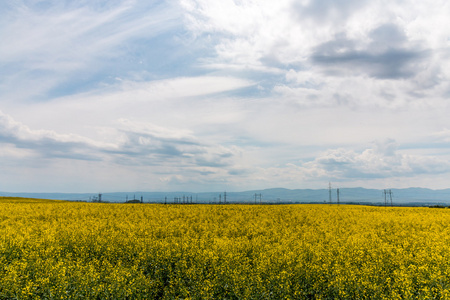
(61, 250)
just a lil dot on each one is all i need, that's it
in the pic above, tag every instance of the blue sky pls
(197, 95)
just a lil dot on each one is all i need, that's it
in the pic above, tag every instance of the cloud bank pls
(201, 95)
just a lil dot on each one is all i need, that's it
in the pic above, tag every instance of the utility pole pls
(220, 198)
(385, 197)
(337, 191)
(225, 197)
(260, 198)
(390, 196)
(255, 198)
(329, 191)
(99, 197)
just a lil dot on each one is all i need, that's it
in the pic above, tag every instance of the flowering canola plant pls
(62, 250)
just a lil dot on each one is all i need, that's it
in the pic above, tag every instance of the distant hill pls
(409, 196)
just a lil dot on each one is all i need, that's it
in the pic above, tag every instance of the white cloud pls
(50, 47)
(246, 33)
(46, 143)
(379, 49)
(184, 87)
(64, 38)
(196, 93)
(193, 103)
(381, 161)
(132, 145)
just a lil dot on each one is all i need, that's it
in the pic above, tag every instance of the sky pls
(201, 95)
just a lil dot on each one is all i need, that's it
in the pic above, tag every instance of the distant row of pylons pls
(387, 195)
(180, 200)
(189, 199)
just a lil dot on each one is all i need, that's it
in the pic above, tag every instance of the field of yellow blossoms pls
(61, 250)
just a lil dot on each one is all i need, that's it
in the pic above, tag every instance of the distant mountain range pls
(409, 196)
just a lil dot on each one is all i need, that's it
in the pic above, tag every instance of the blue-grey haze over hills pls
(402, 197)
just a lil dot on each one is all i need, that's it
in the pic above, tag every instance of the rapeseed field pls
(61, 250)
